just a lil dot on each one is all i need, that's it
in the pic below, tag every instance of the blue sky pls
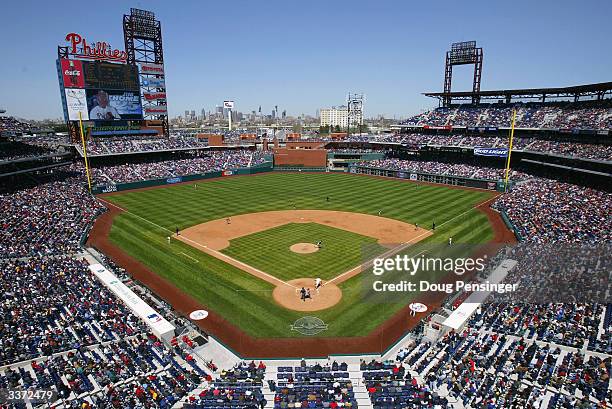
(303, 55)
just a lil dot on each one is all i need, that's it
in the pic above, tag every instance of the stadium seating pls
(546, 211)
(442, 168)
(239, 387)
(12, 126)
(47, 218)
(534, 115)
(314, 386)
(18, 150)
(206, 162)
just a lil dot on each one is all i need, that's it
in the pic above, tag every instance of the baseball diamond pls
(219, 282)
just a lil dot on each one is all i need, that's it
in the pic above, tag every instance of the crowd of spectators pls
(107, 146)
(546, 211)
(238, 387)
(55, 305)
(596, 151)
(391, 385)
(12, 126)
(62, 330)
(209, 161)
(17, 150)
(487, 367)
(314, 386)
(579, 150)
(45, 218)
(533, 115)
(443, 168)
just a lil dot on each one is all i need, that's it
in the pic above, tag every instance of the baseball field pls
(248, 243)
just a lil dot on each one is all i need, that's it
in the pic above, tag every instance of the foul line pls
(403, 246)
(208, 250)
(112, 204)
(187, 255)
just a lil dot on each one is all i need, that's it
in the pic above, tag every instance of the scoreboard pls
(101, 75)
(111, 76)
(100, 91)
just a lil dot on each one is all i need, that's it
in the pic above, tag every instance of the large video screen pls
(101, 75)
(113, 105)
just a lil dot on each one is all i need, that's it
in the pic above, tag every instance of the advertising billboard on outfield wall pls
(113, 105)
(76, 101)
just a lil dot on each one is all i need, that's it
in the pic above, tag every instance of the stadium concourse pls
(62, 329)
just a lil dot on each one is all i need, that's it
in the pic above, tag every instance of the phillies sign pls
(100, 50)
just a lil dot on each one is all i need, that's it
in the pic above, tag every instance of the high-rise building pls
(334, 116)
(186, 114)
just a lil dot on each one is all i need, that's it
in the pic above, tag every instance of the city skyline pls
(291, 56)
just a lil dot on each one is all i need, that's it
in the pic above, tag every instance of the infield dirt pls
(215, 235)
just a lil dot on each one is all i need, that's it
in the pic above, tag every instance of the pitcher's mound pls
(289, 295)
(304, 248)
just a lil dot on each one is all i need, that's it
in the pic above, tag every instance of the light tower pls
(354, 106)
(143, 44)
(463, 54)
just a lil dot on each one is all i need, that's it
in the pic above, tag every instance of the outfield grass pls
(268, 251)
(245, 300)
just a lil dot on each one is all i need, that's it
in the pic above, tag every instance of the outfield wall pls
(265, 167)
(429, 177)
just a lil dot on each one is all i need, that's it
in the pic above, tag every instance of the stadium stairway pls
(359, 388)
(219, 354)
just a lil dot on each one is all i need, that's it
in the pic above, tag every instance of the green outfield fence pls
(429, 177)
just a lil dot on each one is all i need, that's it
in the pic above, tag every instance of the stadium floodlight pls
(354, 106)
(463, 53)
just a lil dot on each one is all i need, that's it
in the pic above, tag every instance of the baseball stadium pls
(457, 258)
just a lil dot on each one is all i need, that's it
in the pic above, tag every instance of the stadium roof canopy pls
(592, 91)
